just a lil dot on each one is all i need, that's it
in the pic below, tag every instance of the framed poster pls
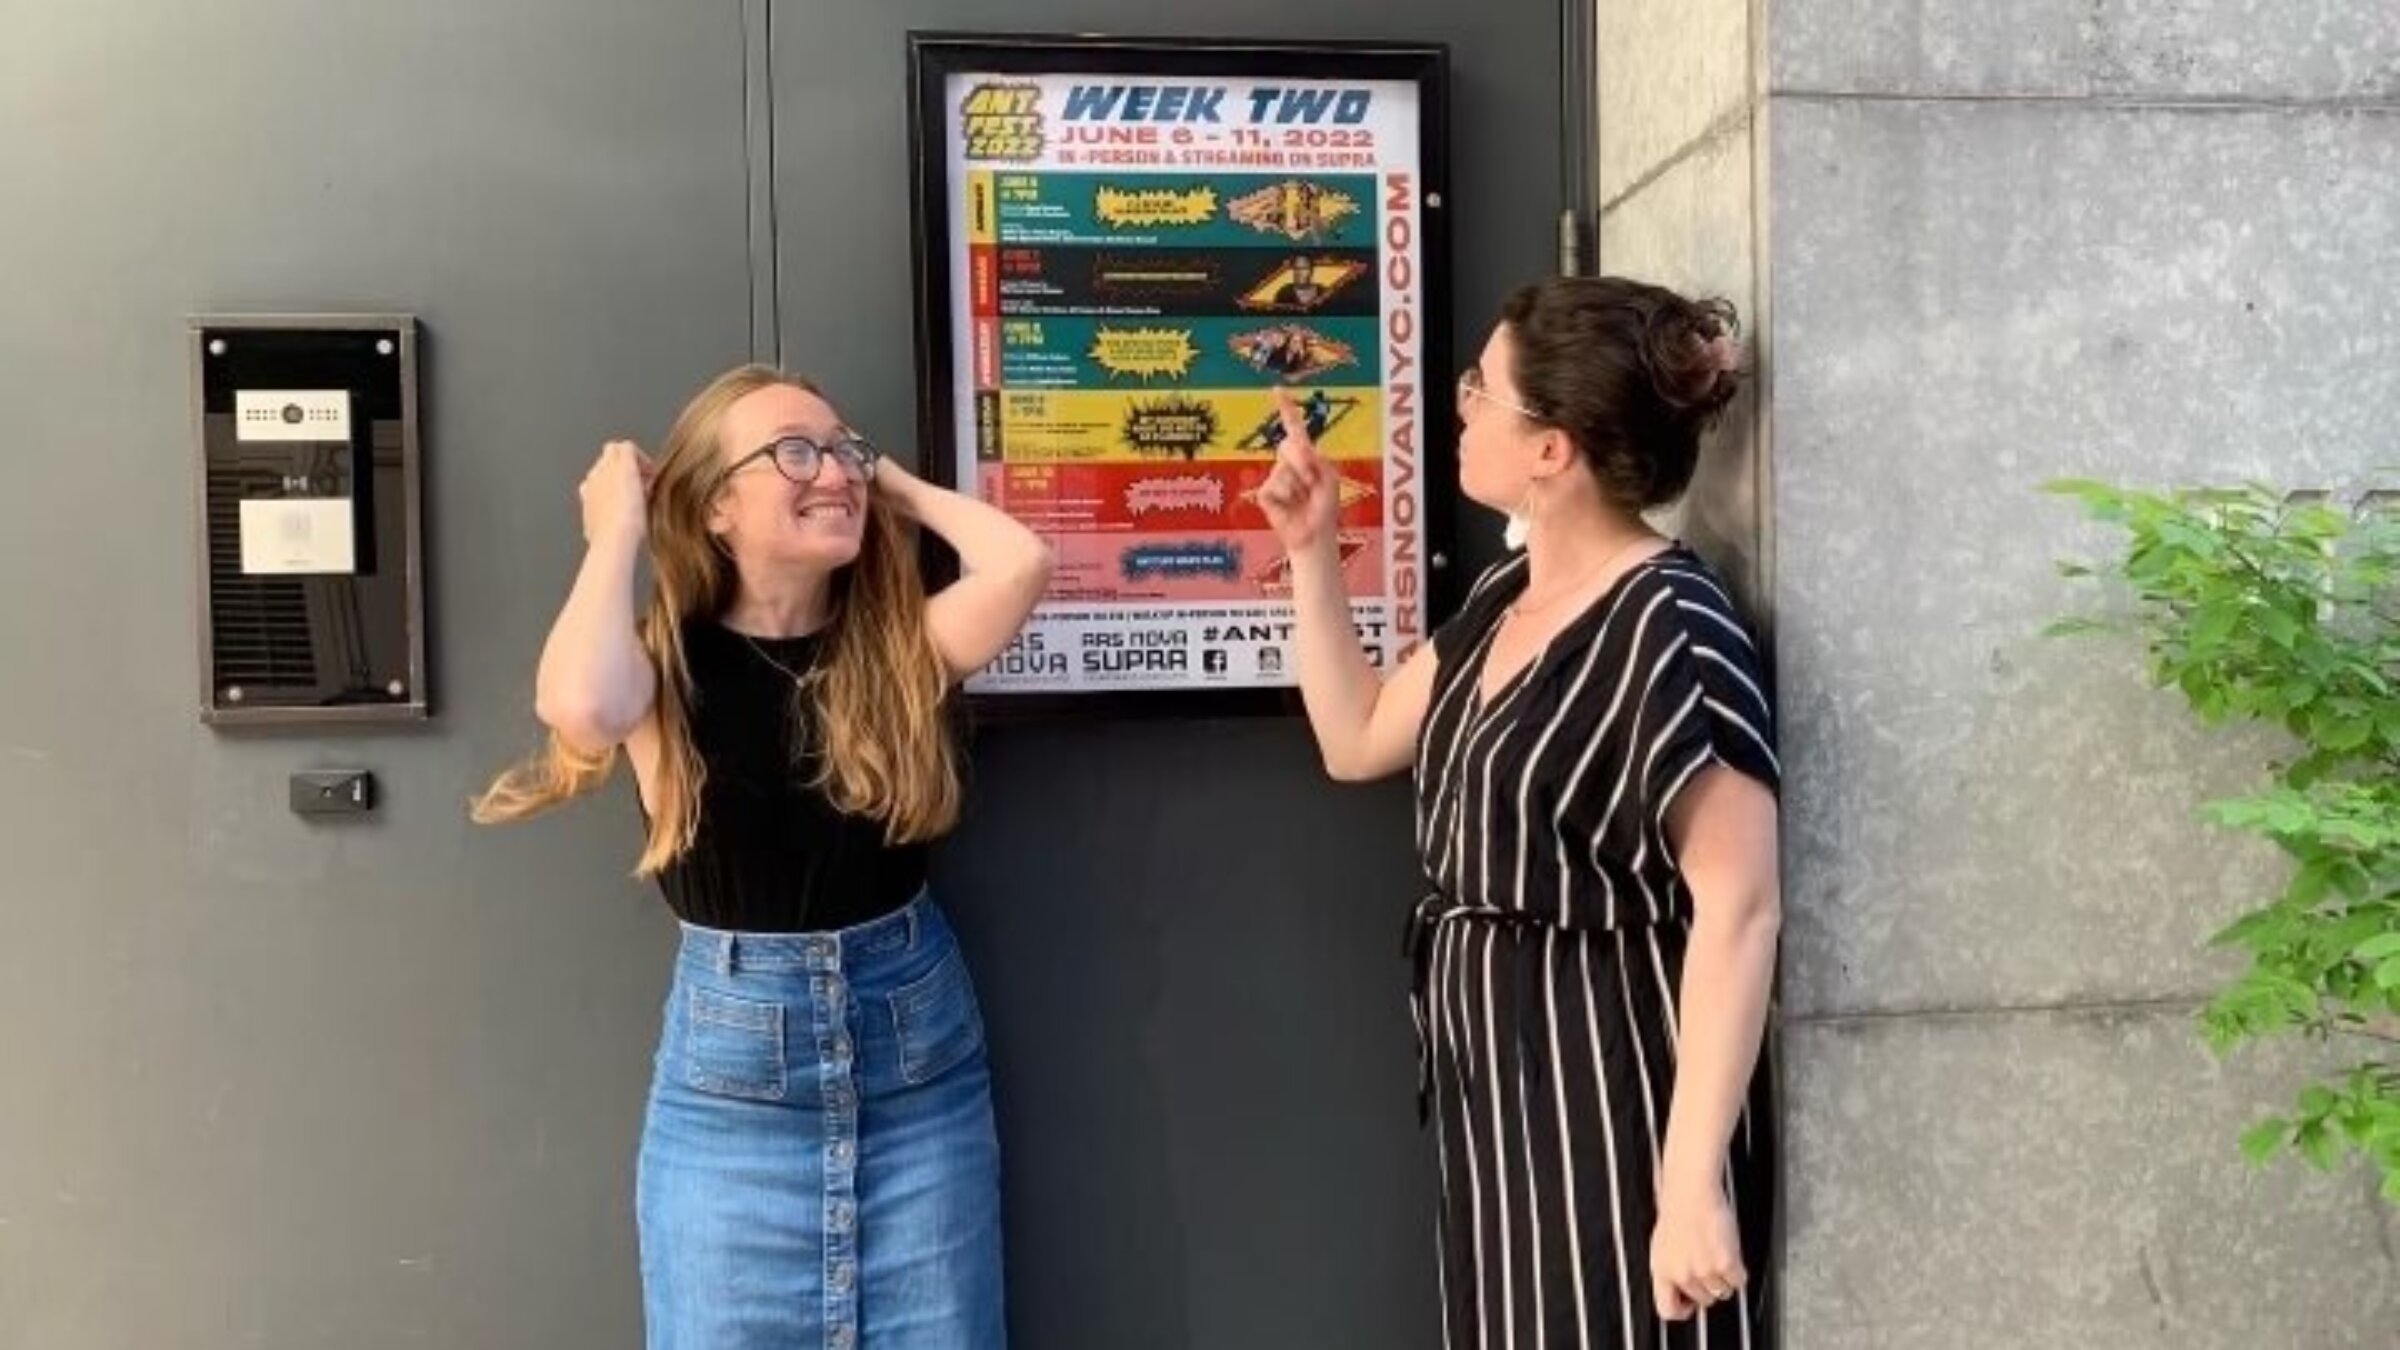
(1122, 248)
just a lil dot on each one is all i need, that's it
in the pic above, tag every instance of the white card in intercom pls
(298, 536)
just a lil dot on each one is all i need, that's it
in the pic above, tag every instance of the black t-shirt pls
(773, 854)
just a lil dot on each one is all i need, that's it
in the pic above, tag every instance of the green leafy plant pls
(2264, 609)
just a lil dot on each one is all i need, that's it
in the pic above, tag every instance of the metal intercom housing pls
(312, 567)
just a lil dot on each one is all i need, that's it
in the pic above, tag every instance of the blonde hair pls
(876, 696)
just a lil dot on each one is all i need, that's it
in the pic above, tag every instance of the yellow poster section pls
(983, 209)
(1129, 427)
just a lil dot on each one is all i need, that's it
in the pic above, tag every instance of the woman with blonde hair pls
(818, 1164)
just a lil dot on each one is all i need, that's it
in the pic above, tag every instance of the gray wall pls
(1678, 156)
(271, 1085)
(2011, 242)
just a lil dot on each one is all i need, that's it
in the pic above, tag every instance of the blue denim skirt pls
(818, 1165)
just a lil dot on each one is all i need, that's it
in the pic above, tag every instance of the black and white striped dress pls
(1550, 955)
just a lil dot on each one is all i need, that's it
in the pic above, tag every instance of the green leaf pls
(2216, 622)
(2344, 733)
(2257, 928)
(2260, 1141)
(2319, 1145)
(2191, 538)
(2075, 628)
(2309, 885)
(2305, 772)
(2088, 488)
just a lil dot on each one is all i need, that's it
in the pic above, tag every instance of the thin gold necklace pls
(1519, 609)
(799, 681)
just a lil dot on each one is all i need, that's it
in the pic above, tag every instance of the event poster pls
(1135, 262)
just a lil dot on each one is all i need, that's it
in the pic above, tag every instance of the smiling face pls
(766, 519)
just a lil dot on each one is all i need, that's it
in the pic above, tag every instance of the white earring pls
(1520, 523)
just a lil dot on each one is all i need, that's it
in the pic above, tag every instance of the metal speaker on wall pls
(312, 571)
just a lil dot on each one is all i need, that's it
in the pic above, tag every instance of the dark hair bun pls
(1633, 373)
(1694, 356)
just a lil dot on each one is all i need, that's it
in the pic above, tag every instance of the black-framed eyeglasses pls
(798, 458)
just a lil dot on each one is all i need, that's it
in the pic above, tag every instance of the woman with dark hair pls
(1596, 816)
